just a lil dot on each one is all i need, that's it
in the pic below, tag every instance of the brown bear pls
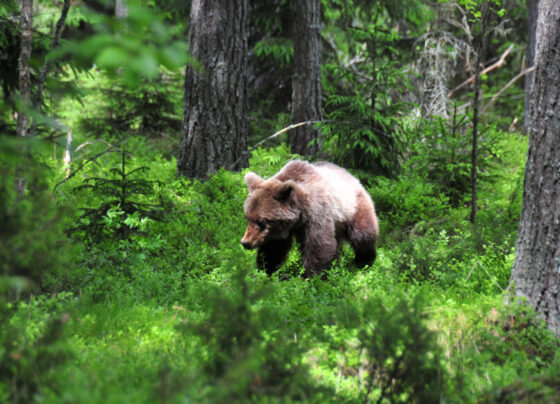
(319, 204)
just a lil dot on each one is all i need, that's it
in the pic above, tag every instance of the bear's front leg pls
(319, 248)
(272, 254)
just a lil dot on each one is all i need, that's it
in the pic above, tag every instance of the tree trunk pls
(478, 45)
(120, 9)
(474, 150)
(45, 70)
(26, 42)
(536, 270)
(530, 56)
(214, 129)
(306, 81)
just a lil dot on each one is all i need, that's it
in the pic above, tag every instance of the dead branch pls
(284, 130)
(91, 159)
(68, 176)
(508, 85)
(501, 62)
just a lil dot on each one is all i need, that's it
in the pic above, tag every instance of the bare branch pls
(91, 159)
(284, 130)
(501, 62)
(68, 176)
(508, 85)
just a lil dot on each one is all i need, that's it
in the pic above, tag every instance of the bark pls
(45, 70)
(536, 270)
(120, 9)
(474, 151)
(26, 27)
(306, 80)
(530, 55)
(214, 128)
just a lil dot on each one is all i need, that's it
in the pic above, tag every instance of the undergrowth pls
(175, 310)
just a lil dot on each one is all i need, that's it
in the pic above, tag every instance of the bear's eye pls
(261, 224)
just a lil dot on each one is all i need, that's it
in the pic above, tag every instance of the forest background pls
(122, 276)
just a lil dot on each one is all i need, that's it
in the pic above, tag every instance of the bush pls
(245, 355)
(402, 354)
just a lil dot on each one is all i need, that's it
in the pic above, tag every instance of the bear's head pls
(272, 209)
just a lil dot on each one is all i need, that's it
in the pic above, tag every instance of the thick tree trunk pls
(536, 270)
(306, 81)
(530, 55)
(214, 129)
(26, 42)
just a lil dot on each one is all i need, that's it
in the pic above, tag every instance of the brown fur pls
(320, 205)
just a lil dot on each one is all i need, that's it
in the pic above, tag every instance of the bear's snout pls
(246, 244)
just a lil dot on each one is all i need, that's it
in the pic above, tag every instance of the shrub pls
(245, 355)
(403, 358)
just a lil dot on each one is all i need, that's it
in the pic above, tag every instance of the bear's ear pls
(253, 181)
(285, 191)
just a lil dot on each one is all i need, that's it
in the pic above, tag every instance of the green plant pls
(152, 109)
(31, 230)
(245, 354)
(364, 126)
(121, 212)
(441, 151)
(403, 358)
(31, 352)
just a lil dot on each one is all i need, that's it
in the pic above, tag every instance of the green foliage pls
(444, 154)
(31, 352)
(152, 109)
(402, 353)
(132, 309)
(133, 47)
(282, 50)
(364, 125)
(121, 211)
(245, 355)
(516, 328)
(9, 42)
(441, 151)
(32, 242)
(405, 201)
(178, 312)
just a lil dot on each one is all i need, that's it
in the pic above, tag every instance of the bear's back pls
(332, 190)
(340, 188)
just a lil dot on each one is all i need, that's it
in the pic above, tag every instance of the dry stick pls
(501, 62)
(82, 166)
(508, 85)
(67, 154)
(287, 128)
(499, 93)
(89, 160)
